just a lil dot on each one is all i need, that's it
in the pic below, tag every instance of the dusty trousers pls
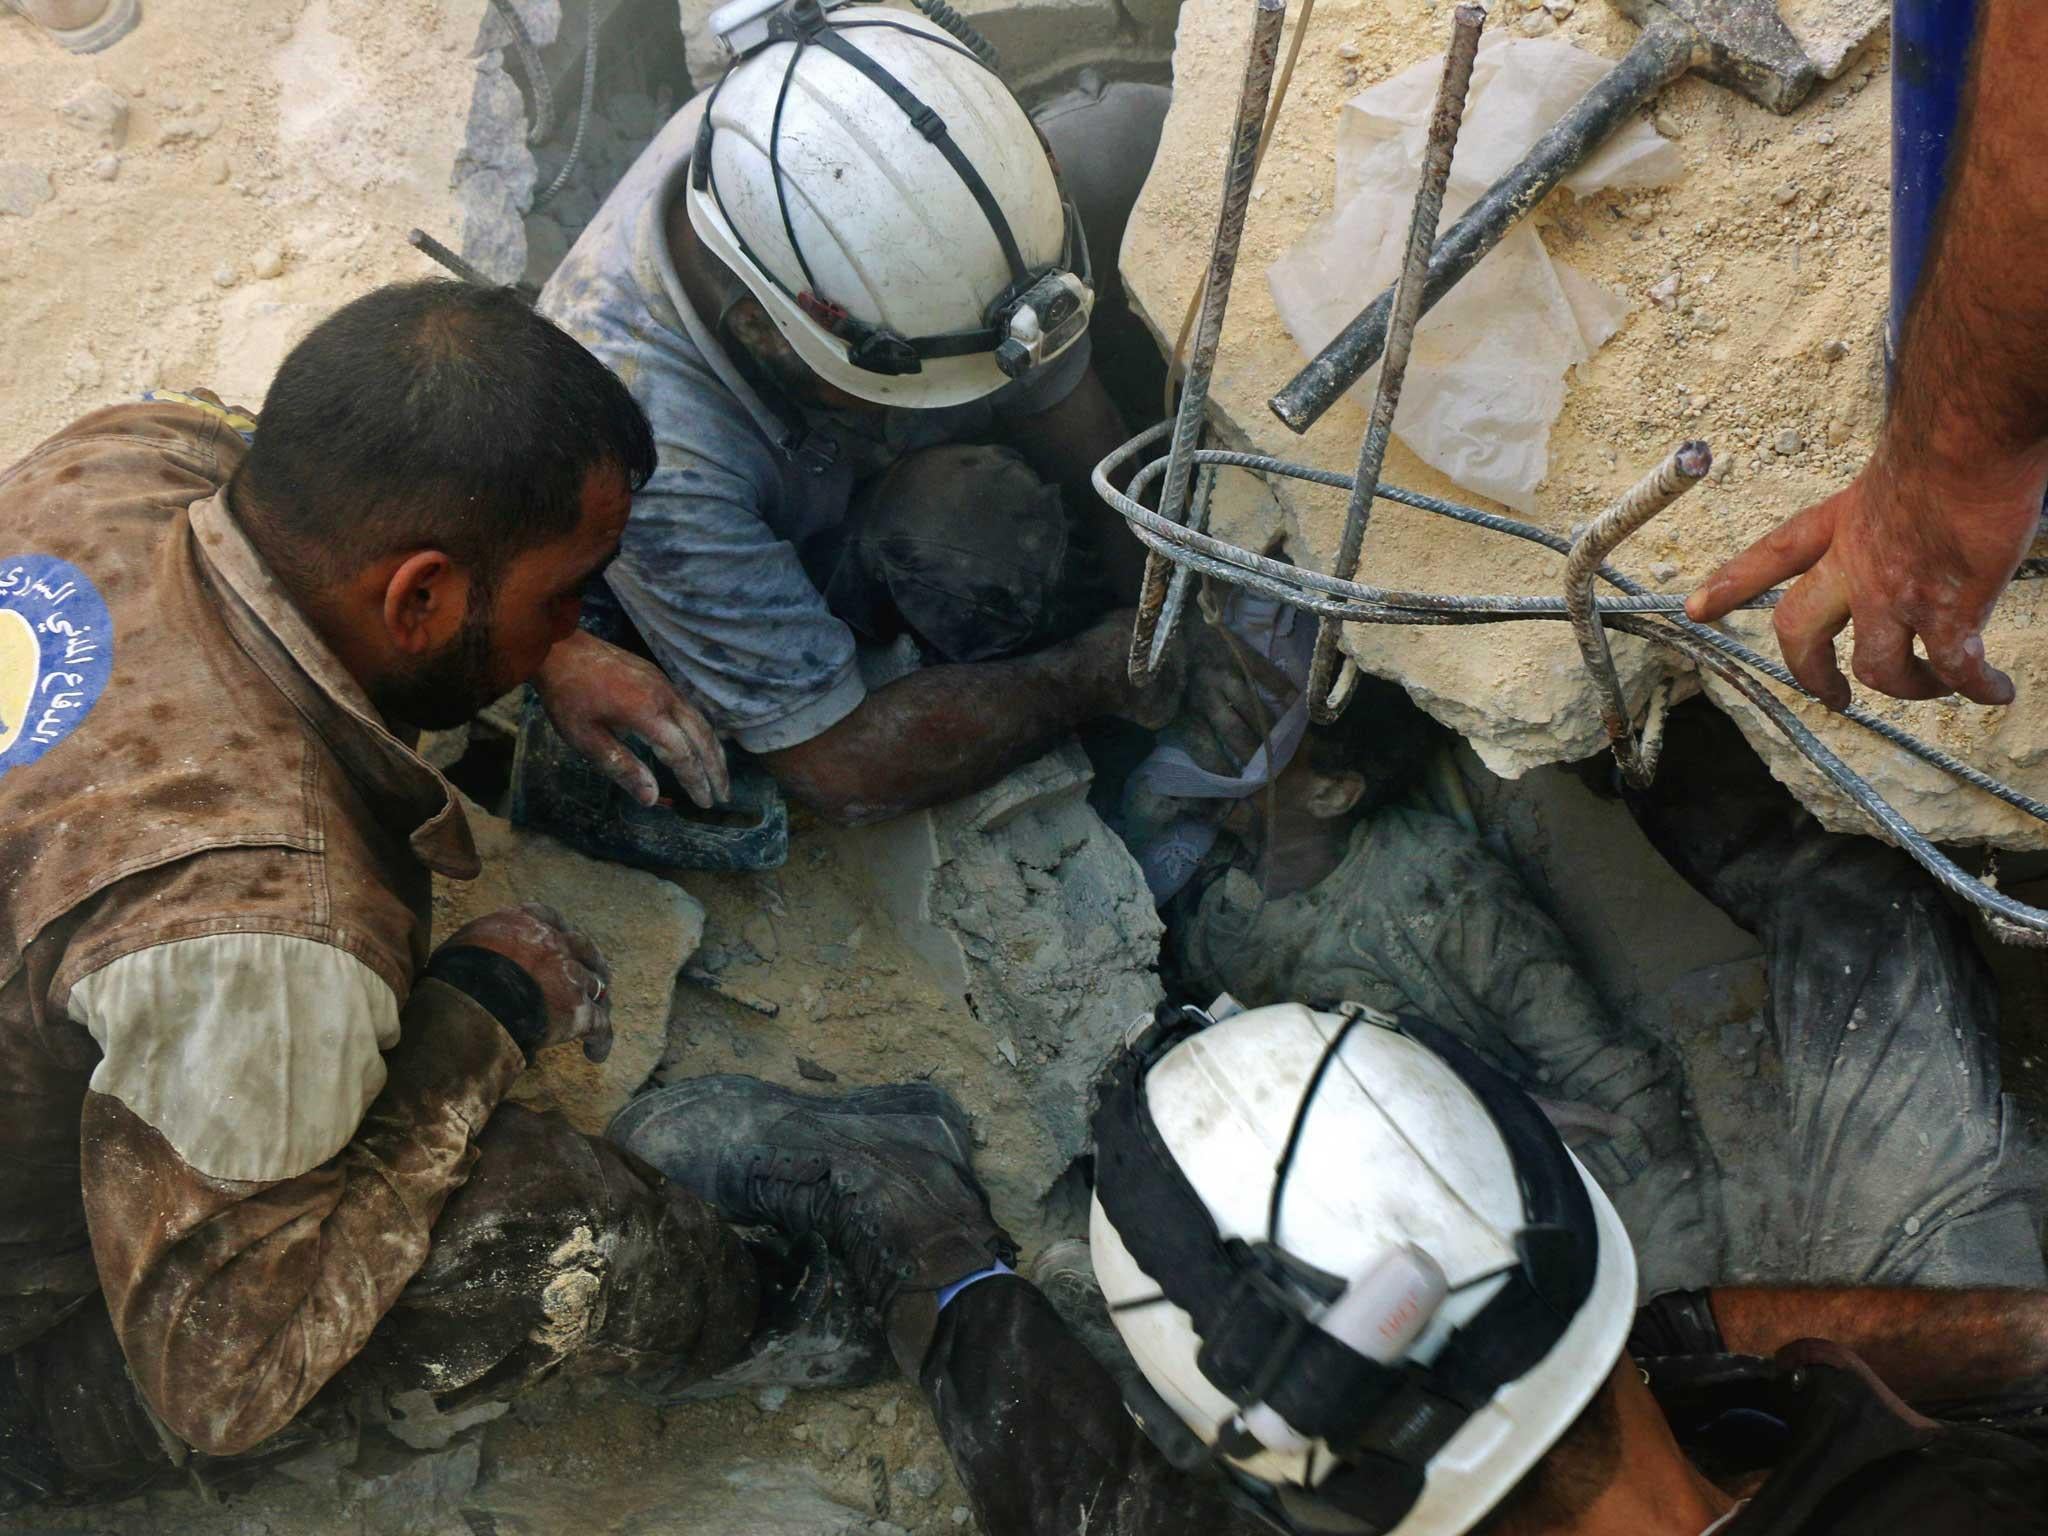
(1039, 1435)
(560, 1247)
(1901, 1163)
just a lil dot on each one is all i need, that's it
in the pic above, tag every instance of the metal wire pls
(582, 116)
(1649, 616)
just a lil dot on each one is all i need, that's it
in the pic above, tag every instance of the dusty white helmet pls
(1435, 1293)
(885, 197)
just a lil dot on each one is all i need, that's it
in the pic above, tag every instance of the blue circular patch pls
(56, 654)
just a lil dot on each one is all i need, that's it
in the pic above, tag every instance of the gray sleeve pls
(729, 611)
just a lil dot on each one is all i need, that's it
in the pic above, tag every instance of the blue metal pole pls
(1930, 60)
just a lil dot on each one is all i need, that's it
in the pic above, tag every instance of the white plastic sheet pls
(1486, 378)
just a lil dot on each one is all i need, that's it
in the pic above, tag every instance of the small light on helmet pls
(1042, 322)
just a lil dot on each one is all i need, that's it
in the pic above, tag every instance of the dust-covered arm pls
(947, 731)
(237, 1298)
(1927, 537)
(1925, 1344)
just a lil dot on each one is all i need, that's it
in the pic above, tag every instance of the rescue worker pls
(255, 1166)
(1359, 1263)
(853, 292)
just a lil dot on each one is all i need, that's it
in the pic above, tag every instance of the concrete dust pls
(272, 161)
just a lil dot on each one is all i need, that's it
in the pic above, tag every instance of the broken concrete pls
(646, 926)
(1031, 910)
(1737, 358)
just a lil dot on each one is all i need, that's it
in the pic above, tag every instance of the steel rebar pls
(1683, 469)
(1165, 584)
(429, 247)
(1324, 702)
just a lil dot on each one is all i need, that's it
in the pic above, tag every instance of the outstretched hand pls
(1903, 552)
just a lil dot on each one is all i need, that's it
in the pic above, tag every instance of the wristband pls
(499, 986)
(1676, 1323)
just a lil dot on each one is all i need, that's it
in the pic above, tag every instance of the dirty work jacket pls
(224, 1102)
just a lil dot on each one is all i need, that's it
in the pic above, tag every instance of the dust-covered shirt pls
(712, 566)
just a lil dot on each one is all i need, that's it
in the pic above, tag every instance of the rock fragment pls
(23, 188)
(1785, 194)
(1834, 351)
(267, 263)
(106, 168)
(98, 109)
(1787, 443)
(1664, 294)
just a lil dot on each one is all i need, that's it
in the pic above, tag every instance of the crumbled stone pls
(97, 108)
(917, 1482)
(1839, 432)
(1538, 24)
(1349, 51)
(1664, 571)
(771, 1399)
(960, 1514)
(23, 188)
(106, 168)
(1787, 443)
(1834, 351)
(1664, 293)
(1667, 125)
(225, 276)
(886, 1414)
(1560, 9)
(1784, 195)
(1723, 470)
(267, 262)
(213, 167)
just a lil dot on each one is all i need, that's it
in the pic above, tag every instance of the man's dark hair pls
(1382, 734)
(433, 414)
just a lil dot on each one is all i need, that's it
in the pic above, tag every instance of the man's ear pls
(426, 598)
(1335, 794)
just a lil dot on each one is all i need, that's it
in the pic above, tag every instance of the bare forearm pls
(1924, 1344)
(947, 731)
(1972, 391)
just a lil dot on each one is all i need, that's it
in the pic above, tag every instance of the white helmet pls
(884, 196)
(1355, 1259)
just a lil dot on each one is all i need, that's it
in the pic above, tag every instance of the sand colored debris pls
(1758, 286)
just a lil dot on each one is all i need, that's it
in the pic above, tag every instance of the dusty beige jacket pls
(223, 1102)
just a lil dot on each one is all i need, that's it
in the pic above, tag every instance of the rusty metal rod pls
(1165, 586)
(428, 246)
(1686, 466)
(1444, 121)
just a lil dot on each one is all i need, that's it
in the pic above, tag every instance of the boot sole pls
(895, 1099)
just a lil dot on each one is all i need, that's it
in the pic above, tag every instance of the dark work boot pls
(816, 1330)
(880, 1174)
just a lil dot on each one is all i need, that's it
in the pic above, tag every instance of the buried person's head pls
(437, 474)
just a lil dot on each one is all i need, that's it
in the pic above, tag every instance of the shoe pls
(881, 1174)
(1065, 1274)
(815, 1331)
(82, 26)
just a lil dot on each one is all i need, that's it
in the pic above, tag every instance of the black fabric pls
(1676, 1323)
(499, 986)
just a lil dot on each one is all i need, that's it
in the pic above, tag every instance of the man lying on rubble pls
(1319, 888)
(1318, 881)
(1361, 1265)
(852, 290)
